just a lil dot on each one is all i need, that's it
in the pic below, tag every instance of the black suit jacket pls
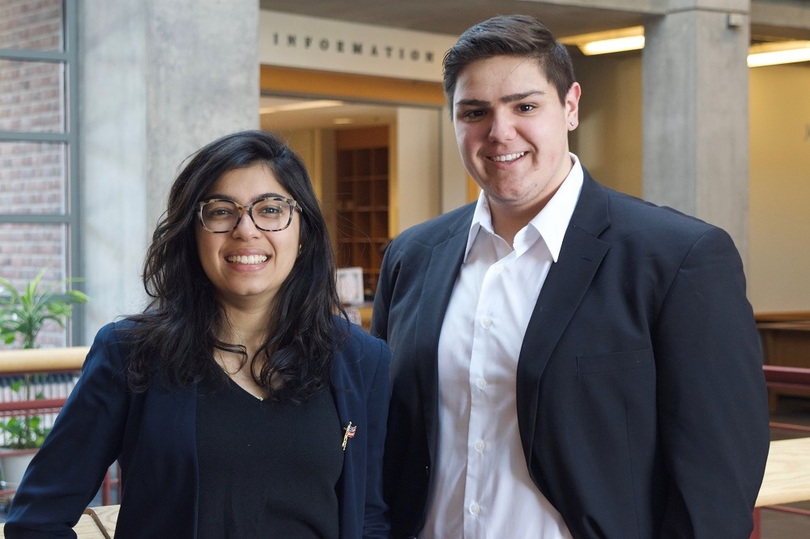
(641, 402)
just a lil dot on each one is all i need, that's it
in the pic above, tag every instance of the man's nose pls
(501, 127)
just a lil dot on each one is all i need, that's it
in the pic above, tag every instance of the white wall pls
(608, 139)
(779, 227)
(454, 175)
(417, 179)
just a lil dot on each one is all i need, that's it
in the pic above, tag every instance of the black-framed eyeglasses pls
(271, 214)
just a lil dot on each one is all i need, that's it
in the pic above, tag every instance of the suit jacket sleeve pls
(376, 511)
(65, 474)
(712, 401)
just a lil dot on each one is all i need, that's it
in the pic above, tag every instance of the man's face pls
(512, 131)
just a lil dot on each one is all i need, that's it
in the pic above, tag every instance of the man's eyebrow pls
(521, 96)
(472, 103)
(511, 98)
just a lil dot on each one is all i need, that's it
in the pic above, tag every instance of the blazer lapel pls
(565, 286)
(443, 268)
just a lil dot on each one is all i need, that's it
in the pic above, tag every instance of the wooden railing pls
(42, 360)
(46, 361)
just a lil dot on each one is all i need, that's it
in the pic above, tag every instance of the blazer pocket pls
(616, 361)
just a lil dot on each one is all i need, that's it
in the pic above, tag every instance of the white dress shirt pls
(481, 484)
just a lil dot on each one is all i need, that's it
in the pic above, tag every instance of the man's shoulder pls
(438, 229)
(626, 209)
(359, 342)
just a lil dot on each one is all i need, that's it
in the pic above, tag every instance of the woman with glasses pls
(241, 403)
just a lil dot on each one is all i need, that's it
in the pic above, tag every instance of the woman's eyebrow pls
(252, 200)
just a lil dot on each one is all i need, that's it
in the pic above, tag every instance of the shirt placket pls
(483, 344)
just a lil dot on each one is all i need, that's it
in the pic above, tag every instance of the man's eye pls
(472, 114)
(526, 107)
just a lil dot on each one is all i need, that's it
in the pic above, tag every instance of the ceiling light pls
(783, 52)
(301, 105)
(623, 39)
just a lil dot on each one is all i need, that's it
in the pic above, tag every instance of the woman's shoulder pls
(115, 332)
(114, 341)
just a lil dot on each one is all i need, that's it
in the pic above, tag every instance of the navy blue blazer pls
(641, 401)
(152, 434)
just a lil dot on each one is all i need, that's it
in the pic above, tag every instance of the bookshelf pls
(362, 201)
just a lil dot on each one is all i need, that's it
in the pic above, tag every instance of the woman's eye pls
(270, 210)
(220, 212)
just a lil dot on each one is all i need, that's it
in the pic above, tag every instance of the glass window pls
(27, 249)
(38, 150)
(32, 96)
(33, 177)
(32, 24)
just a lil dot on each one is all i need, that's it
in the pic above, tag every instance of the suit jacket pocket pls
(616, 361)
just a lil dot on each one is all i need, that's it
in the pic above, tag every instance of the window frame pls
(68, 57)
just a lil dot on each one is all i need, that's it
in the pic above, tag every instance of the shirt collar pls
(551, 222)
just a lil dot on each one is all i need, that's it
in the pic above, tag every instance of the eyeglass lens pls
(269, 214)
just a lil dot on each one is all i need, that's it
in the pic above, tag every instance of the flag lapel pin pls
(348, 432)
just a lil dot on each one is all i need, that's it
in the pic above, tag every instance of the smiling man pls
(568, 361)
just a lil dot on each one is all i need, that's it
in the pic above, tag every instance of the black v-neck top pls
(267, 469)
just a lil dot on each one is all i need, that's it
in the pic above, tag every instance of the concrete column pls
(158, 80)
(695, 112)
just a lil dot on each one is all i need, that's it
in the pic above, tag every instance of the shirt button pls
(481, 383)
(486, 321)
(479, 446)
(475, 509)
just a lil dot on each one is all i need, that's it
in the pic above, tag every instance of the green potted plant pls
(23, 313)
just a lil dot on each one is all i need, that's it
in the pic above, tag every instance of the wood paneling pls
(304, 82)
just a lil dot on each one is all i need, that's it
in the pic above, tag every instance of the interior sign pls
(329, 45)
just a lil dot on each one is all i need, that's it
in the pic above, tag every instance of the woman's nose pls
(246, 228)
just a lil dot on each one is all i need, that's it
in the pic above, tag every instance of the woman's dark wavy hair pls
(174, 338)
(510, 35)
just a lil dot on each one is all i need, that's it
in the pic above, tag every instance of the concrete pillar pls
(158, 80)
(695, 112)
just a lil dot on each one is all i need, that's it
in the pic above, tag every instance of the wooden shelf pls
(362, 201)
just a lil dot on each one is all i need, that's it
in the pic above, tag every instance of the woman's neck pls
(246, 327)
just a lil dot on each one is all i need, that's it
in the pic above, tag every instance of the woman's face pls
(247, 265)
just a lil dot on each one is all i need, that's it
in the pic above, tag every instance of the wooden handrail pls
(778, 374)
(48, 360)
(42, 360)
(31, 407)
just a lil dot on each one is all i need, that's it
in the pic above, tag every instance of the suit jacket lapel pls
(565, 286)
(443, 268)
